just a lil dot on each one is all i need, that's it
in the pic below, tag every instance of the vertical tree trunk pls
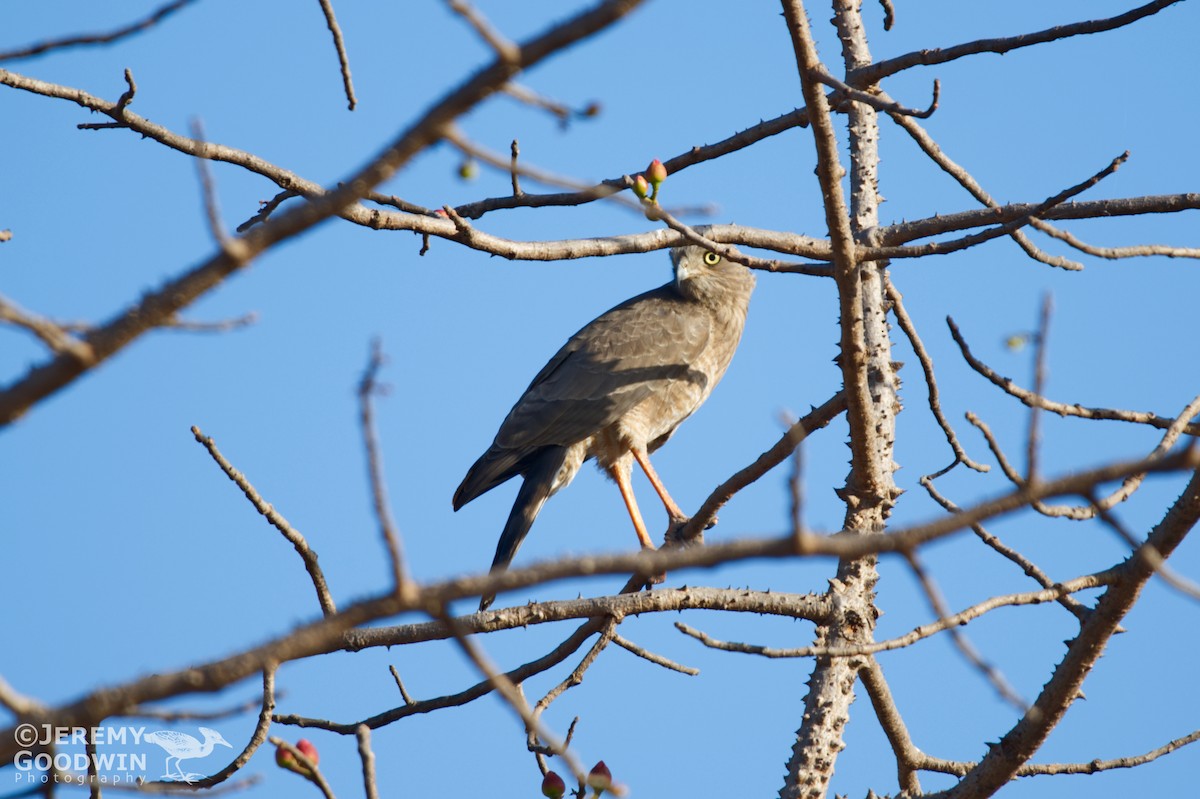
(871, 384)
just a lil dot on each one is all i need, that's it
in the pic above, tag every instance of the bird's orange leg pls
(621, 477)
(673, 509)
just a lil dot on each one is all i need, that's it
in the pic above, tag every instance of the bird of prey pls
(615, 392)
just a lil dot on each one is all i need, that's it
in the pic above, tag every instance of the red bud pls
(553, 786)
(640, 187)
(308, 750)
(285, 759)
(599, 778)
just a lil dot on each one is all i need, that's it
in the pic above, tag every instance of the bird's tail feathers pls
(493, 468)
(535, 490)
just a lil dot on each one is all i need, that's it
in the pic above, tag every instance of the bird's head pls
(214, 736)
(707, 277)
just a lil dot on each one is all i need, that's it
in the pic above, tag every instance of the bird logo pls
(181, 746)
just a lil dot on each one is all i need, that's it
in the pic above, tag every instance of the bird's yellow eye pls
(711, 258)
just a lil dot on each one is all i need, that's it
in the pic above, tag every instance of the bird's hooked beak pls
(681, 266)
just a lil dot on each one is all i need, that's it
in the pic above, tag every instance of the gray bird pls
(615, 392)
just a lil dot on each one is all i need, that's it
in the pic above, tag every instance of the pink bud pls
(640, 187)
(656, 172)
(553, 786)
(599, 778)
(285, 759)
(307, 749)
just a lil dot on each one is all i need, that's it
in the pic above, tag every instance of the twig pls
(968, 182)
(408, 700)
(816, 419)
(968, 650)
(919, 633)
(370, 786)
(340, 45)
(55, 336)
(367, 388)
(516, 177)
(874, 73)
(49, 377)
(1128, 486)
(1114, 253)
(656, 659)
(266, 208)
(193, 715)
(935, 405)
(511, 694)
(562, 112)
(1033, 438)
(1030, 398)
(96, 38)
(17, 703)
(1005, 758)
(1151, 555)
(212, 211)
(893, 726)
(276, 519)
(878, 103)
(505, 49)
(1077, 609)
(257, 738)
(889, 18)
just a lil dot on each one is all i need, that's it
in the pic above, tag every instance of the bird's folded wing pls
(607, 368)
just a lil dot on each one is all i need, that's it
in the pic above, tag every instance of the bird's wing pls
(607, 368)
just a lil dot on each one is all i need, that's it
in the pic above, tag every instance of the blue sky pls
(127, 552)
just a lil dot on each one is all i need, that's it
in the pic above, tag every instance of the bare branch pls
(907, 754)
(1033, 437)
(1004, 760)
(964, 178)
(212, 210)
(877, 102)
(276, 519)
(257, 738)
(367, 388)
(937, 603)
(777, 454)
(1113, 253)
(54, 335)
(340, 45)
(408, 700)
(873, 73)
(935, 405)
(562, 112)
(327, 634)
(1030, 398)
(505, 50)
(1029, 567)
(512, 168)
(88, 39)
(657, 660)
(368, 761)
(49, 377)
(945, 622)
